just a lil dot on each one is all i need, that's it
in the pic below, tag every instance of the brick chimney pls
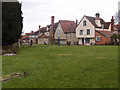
(52, 20)
(112, 24)
(76, 22)
(32, 32)
(39, 28)
(51, 39)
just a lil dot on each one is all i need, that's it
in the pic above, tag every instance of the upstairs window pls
(81, 32)
(84, 23)
(98, 38)
(68, 34)
(88, 31)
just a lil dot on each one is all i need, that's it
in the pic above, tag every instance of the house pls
(49, 34)
(30, 37)
(43, 37)
(65, 32)
(46, 35)
(24, 39)
(103, 37)
(94, 30)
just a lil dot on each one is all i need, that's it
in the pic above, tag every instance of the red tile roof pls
(44, 36)
(117, 26)
(54, 26)
(92, 20)
(43, 29)
(23, 37)
(106, 25)
(27, 33)
(68, 26)
(107, 34)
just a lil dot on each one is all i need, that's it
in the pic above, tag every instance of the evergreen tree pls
(11, 22)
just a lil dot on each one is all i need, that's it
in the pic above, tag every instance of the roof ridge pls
(67, 20)
(89, 16)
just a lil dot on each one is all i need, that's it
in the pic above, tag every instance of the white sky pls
(39, 12)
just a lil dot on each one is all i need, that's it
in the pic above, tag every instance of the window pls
(87, 40)
(68, 34)
(88, 31)
(98, 38)
(81, 32)
(84, 23)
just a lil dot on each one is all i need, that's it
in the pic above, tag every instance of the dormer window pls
(84, 23)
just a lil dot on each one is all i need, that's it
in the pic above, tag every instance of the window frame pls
(87, 32)
(81, 33)
(97, 38)
(84, 23)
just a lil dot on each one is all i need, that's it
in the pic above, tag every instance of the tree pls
(115, 39)
(11, 22)
(116, 18)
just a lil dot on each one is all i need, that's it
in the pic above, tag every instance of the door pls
(82, 41)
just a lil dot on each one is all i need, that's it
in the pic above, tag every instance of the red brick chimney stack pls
(52, 31)
(52, 20)
(39, 28)
(112, 24)
(32, 32)
(76, 22)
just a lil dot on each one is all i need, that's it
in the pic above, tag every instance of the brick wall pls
(103, 40)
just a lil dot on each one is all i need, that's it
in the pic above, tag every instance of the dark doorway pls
(82, 41)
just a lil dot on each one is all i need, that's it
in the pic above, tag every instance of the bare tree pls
(116, 18)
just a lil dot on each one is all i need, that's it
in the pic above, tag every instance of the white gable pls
(89, 25)
(59, 32)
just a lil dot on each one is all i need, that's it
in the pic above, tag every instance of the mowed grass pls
(63, 67)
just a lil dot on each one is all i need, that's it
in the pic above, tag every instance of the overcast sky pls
(39, 12)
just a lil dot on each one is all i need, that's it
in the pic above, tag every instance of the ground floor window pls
(87, 40)
(97, 38)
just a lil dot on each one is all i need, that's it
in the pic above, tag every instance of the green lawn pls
(63, 67)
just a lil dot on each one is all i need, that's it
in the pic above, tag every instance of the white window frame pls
(80, 32)
(87, 32)
(84, 23)
(97, 38)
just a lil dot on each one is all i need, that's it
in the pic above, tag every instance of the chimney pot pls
(76, 22)
(97, 15)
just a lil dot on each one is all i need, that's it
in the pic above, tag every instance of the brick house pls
(103, 37)
(30, 37)
(43, 36)
(94, 30)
